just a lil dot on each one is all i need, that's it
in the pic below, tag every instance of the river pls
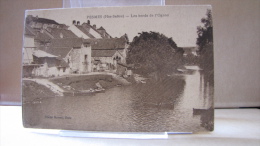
(155, 106)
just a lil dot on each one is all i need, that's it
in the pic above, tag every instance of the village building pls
(107, 53)
(61, 57)
(39, 32)
(46, 64)
(47, 29)
(124, 70)
(53, 49)
(73, 51)
(44, 36)
(105, 60)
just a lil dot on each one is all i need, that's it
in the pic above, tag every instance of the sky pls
(179, 22)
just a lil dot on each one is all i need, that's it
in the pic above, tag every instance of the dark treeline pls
(152, 52)
(205, 43)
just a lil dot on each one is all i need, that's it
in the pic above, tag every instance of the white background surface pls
(232, 127)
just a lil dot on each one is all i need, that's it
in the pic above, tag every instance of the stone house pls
(120, 44)
(106, 53)
(73, 51)
(46, 64)
(124, 70)
(105, 60)
(62, 57)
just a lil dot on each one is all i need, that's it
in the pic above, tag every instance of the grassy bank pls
(33, 90)
(86, 82)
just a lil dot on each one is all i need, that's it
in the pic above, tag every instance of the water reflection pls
(158, 94)
(206, 112)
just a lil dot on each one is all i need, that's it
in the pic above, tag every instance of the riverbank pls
(89, 82)
(81, 84)
(78, 84)
(33, 92)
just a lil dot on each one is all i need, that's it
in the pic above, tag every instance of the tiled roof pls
(60, 52)
(111, 43)
(84, 31)
(66, 43)
(61, 47)
(29, 31)
(56, 33)
(40, 53)
(103, 53)
(37, 33)
(42, 36)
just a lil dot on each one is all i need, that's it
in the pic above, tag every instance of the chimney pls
(95, 26)
(78, 22)
(74, 22)
(88, 22)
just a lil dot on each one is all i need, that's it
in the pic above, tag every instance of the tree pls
(154, 52)
(205, 43)
(205, 32)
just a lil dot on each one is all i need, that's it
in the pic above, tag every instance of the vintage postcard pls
(119, 69)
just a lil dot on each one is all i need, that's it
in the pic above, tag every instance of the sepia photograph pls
(119, 69)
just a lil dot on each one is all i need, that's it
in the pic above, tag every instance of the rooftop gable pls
(40, 54)
(107, 44)
(57, 32)
(103, 53)
(29, 31)
(59, 52)
(66, 43)
(84, 31)
(42, 36)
